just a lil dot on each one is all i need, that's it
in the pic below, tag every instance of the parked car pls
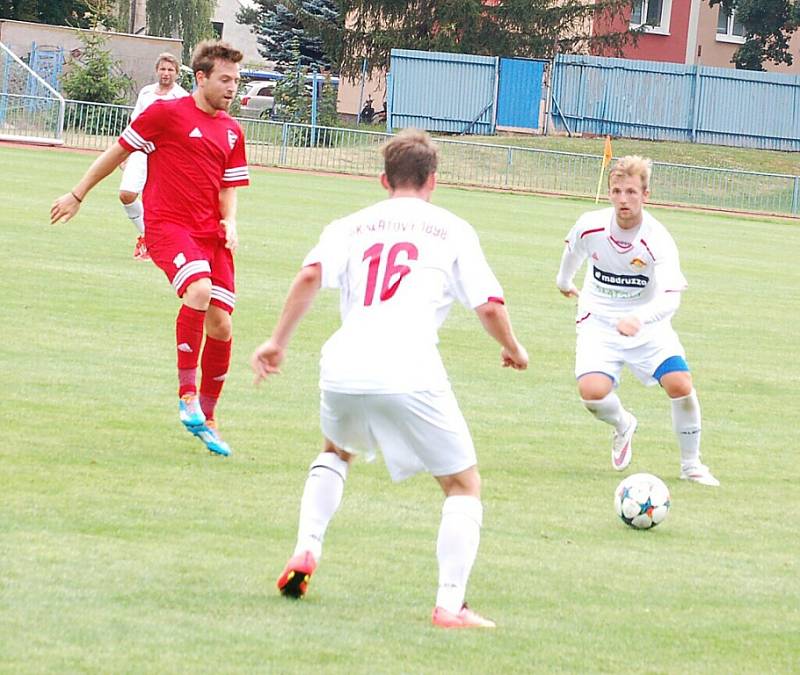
(258, 100)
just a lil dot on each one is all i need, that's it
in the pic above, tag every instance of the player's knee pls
(127, 197)
(218, 324)
(198, 294)
(467, 482)
(329, 446)
(677, 384)
(594, 387)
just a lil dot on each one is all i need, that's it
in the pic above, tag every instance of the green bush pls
(93, 79)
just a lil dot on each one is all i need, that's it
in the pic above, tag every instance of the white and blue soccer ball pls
(642, 500)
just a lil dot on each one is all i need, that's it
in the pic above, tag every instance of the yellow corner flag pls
(606, 161)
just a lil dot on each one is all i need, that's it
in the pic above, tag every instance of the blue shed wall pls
(445, 92)
(667, 101)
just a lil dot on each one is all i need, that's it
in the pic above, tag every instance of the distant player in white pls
(399, 266)
(135, 174)
(632, 288)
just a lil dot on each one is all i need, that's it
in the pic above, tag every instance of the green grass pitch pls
(125, 547)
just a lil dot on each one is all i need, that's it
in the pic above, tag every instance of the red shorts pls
(185, 259)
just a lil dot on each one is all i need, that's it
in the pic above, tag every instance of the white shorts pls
(601, 349)
(134, 176)
(422, 431)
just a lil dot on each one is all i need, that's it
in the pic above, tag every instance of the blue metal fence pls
(519, 93)
(439, 91)
(668, 101)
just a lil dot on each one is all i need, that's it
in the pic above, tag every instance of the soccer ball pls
(642, 500)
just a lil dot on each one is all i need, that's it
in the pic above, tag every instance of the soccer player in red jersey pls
(196, 158)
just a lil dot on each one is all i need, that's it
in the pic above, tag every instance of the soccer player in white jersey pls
(398, 265)
(134, 175)
(631, 290)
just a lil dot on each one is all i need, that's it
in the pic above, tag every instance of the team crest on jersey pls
(179, 260)
(232, 138)
(638, 262)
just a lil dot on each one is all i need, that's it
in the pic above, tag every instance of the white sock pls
(686, 424)
(610, 411)
(321, 498)
(456, 548)
(135, 211)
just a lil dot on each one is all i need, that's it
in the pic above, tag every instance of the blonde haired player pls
(631, 290)
(399, 264)
(134, 175)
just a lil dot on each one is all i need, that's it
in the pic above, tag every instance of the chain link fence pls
(353, 151)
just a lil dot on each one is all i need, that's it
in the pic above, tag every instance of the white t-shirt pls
(628, 271)
(148, 95)
(399, 266)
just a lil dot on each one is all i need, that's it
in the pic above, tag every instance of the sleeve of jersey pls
(571, 259)
(138, 108)
(236, 172)
(330, 254)
(475, 282)
(669, 277)
(142, 133)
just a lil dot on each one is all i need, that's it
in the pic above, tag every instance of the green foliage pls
(188, 19)
(95, 78)
(770, 25)
(76, 13)
(327, 116)
(292, 98)
(528, 28)
(277, 24)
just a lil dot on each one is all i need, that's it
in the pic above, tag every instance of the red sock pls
(215, 362)
(189, 337)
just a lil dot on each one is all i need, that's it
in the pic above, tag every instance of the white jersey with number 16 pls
(399, 266)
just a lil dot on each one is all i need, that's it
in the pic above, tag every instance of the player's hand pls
(266, 360)
(64, 208)
(629, 326)
(516, 358)
(571, 292)
(231, 234)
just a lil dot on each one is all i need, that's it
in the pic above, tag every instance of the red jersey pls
(191, 156)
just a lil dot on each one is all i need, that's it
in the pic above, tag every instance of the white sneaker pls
(622, 448)
(699, 473)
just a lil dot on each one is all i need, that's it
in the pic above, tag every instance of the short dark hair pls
(409, 158)
(209, 51)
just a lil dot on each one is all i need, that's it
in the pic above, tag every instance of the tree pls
(529, 28)
(769, 25)
(96, 77)
(277, 23)
(188, 19)
(77, 13)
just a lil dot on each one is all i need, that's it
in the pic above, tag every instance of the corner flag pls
(606, 161)
(607, 152)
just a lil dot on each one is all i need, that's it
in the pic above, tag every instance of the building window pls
(729, 28)
(652, 16)
(216, 26)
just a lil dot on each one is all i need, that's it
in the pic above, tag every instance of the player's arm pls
(227, 210)
(267, 358)
(571, 261)
(495, 320)
(67, 205)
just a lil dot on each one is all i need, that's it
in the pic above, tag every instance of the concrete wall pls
(350, 93)
(240, 36)
(136, 53)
